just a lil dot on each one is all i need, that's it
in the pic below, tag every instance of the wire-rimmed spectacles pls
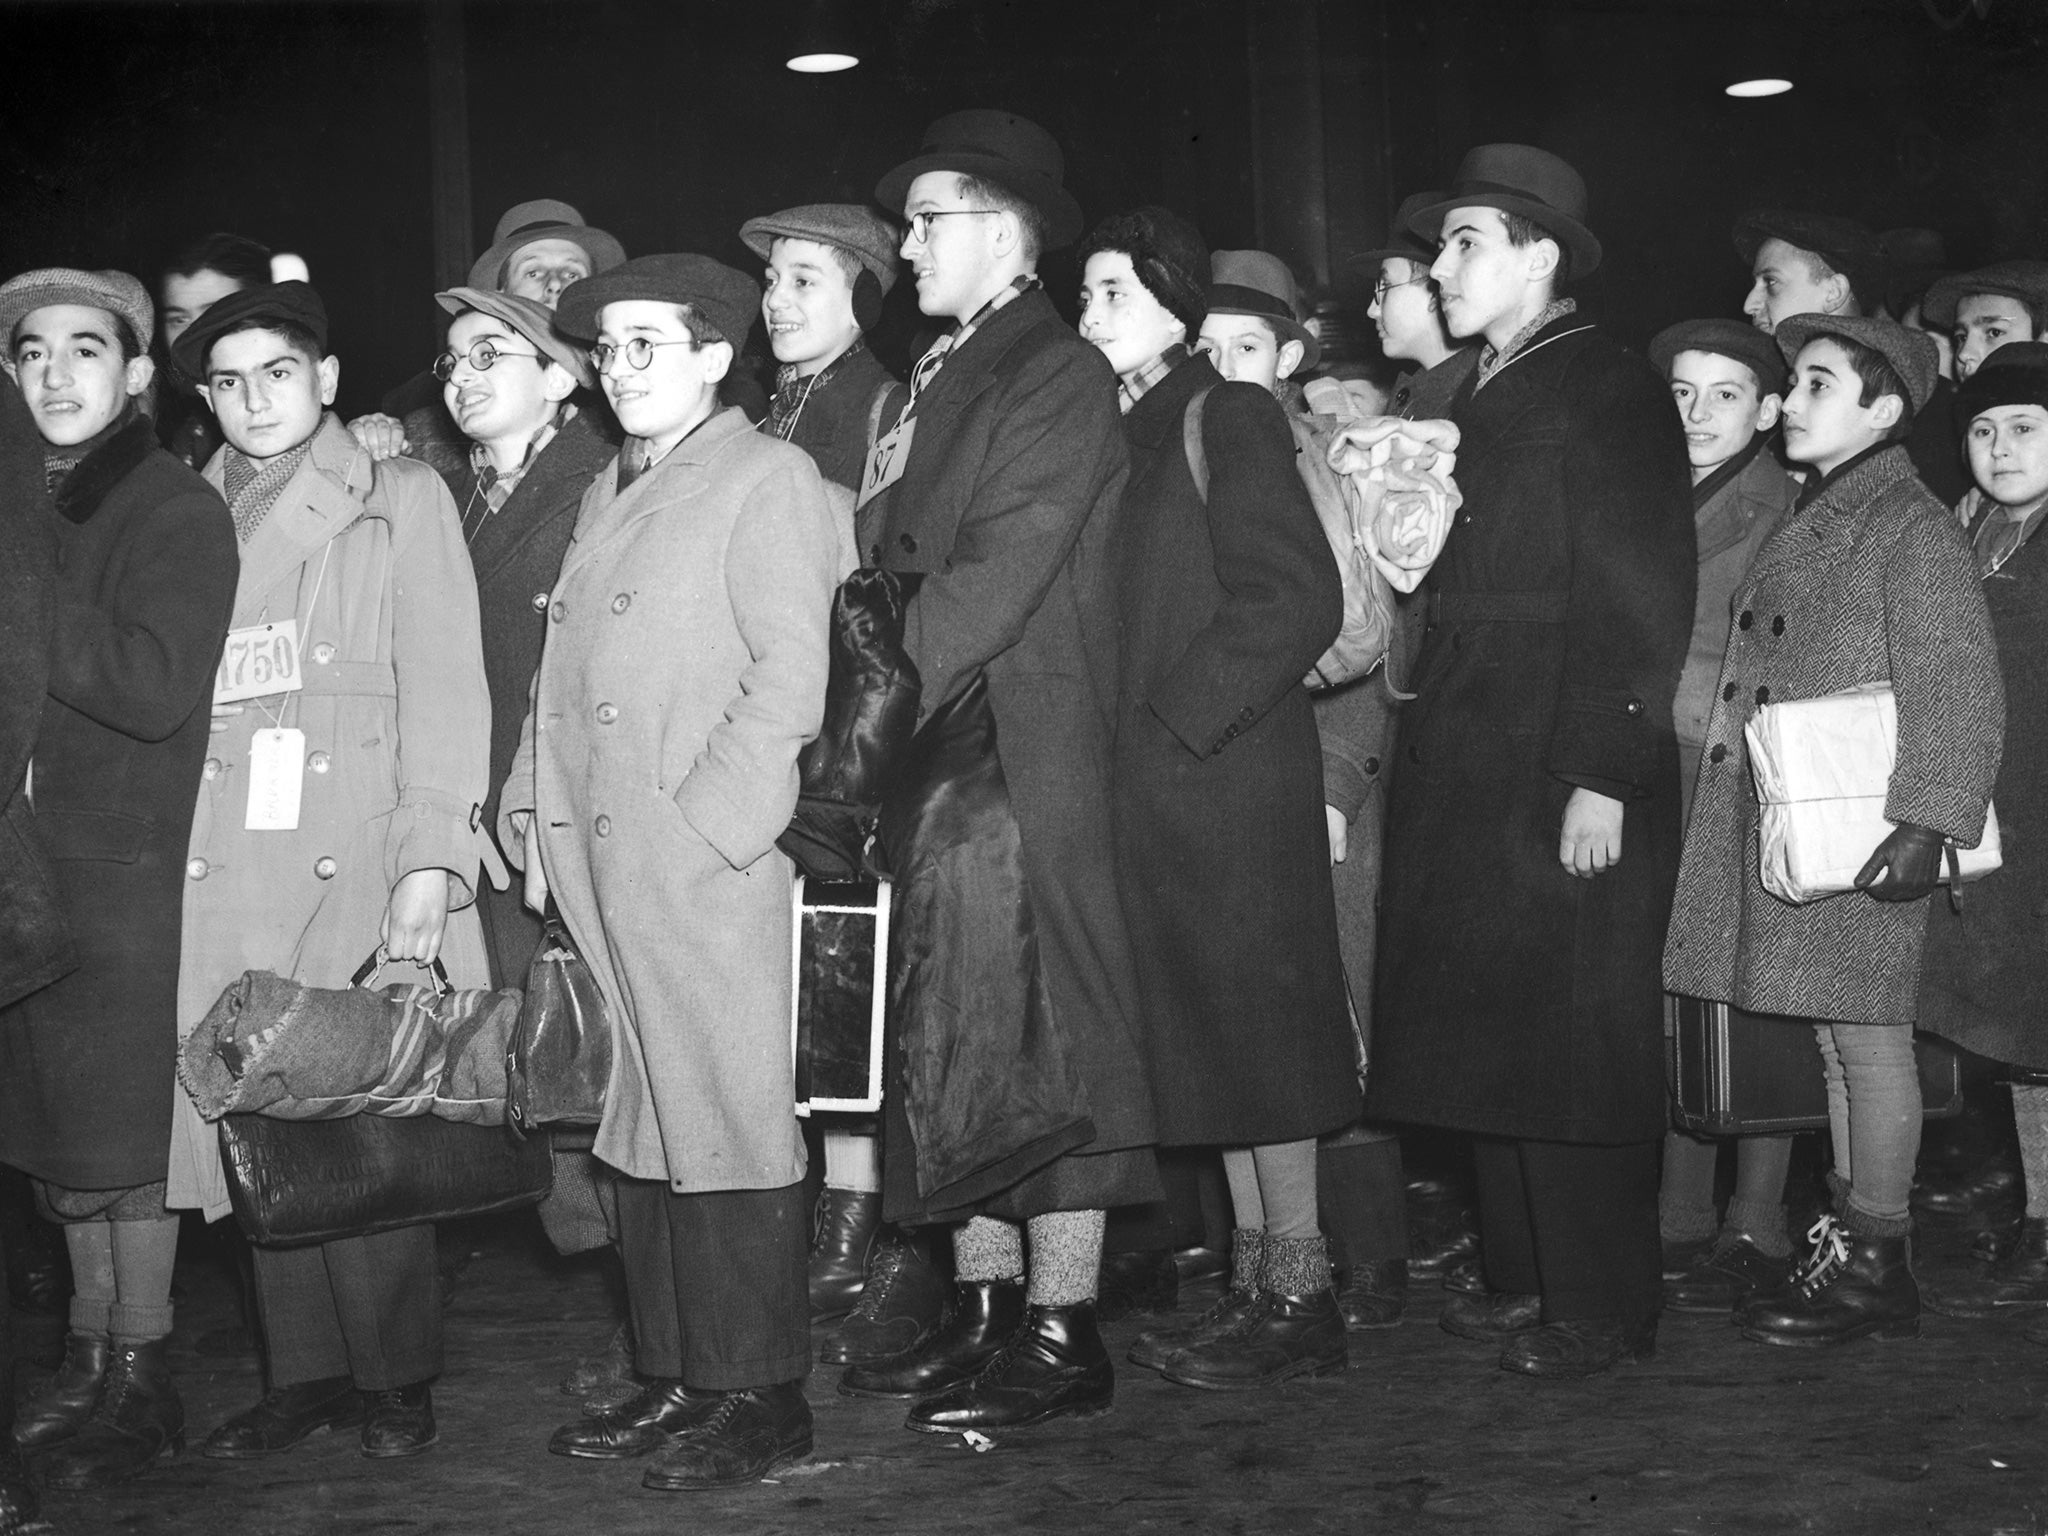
(921, 223)
(1382, 288)
(638, 352)
(481, 356)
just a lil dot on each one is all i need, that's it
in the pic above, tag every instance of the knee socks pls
(145, 1252)
(91, 1247)
(851, 1162)
(1757, 1209)
(1066, 1258)
(2030, 1116)
(986, 1249)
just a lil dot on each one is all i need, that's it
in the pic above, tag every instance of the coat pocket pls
(109, 836)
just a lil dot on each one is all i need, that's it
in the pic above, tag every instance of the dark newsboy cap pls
(267, 304)
(1850, 248)
(1011, 151)
(2026, 281)
(1725, 338)
(728, 299)
(1518, 178)
(1912, 354)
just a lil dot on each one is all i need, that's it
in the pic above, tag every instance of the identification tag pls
(258, 661)
(885, 461)
(277, 766)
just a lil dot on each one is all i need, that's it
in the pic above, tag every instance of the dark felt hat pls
(544, 218)
(2026, 281)
(1402, 240)
(531, 319)
(1168, 254)
(2015, 374)
(1912, 354)
(1518, 178)
(1847, 246)
(727, 298)
(1725, 338)
(1011, 151)
(871, 239)
(1260, 283)
(250, 309)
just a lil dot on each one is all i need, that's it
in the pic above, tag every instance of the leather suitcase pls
(842, 959)
(1742, 1074)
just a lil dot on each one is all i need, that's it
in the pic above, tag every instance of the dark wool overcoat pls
(1008, 503)
(1514, 999)
(146, 581)
(1222, 846)
(832, 422)
(1984, 983)
(1871, 580)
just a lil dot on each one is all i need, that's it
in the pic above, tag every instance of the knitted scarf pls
(1492, 361)
(253, 485)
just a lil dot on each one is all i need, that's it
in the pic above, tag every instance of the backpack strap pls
(876, 410)
(1191, 440)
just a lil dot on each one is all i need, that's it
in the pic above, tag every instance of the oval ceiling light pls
(1750, 89)
(824, 43)
(821, 63)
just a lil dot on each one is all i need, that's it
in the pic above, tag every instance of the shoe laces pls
(883, 1267)
(1829, 1257)
(728, 1405)
(388, 1397)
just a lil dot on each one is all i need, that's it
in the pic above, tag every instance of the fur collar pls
(87, 486)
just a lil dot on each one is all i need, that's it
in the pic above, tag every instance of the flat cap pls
(1724, 338)
(727, 298)
(2026, 281)
(116, 292)
(250, 308)
(2015, 374)
(544, 218)
(1912, 354)
(531, 319)
(1847, 246)
(872, 239)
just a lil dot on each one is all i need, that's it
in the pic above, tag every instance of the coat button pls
(607, 713)
(195, 869)
(323, 653)
(1778, 625)
(1246, 714)
(1720, 751)
(1745, 620)
(540, 602)
(1763, 695)
(908, 544)
(324, 868)
(1372, 765)
(1728, 692)
(621, 603)
(212, 768)
(319, 762)
(874, 554)
(1635, 706)
(559, 611)
(604, 826)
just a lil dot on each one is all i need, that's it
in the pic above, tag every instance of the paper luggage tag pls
(257, 661)
(277, 762)
(885, 461)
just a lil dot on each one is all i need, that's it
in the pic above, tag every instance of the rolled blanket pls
(279, 1048)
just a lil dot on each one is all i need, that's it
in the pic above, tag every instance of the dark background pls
(125, 130)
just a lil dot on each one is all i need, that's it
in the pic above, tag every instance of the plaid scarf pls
(1131, 387)
(1492, 361)
(792, 389)
(494, 486)
(253, 485)
(928, 366)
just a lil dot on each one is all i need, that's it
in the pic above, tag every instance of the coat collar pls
(970, 368)
(551, 488)
(87, 487)
(1570, 323)
(607, 510)
(329, 493)
(1837, 513)
(1758, 489)
(1159, 411)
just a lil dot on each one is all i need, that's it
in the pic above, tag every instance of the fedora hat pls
(1261, 284)
(542, 219)
(1401, 240)
(1518, 178)
(1011, 151)
(531, 319)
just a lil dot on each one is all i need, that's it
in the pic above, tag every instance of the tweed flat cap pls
(1912, 354)
(531, 319)
(2016, 374)
(1847, 246)
(2026, 281)
(292, 303)
(1260, 283)
(115, 292)
(872, 239)
(1724, 338)
(727, 298)
(542, 219)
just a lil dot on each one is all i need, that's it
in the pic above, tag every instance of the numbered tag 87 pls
(259, 660)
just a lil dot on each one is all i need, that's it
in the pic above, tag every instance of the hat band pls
(528, 229)
(1251, 301)
(1501, 189)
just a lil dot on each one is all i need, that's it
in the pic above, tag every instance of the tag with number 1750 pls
(259, 660)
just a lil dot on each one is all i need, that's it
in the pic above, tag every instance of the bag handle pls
(370, 968)
(1191, 441)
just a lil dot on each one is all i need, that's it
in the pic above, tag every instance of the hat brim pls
(1795, 331)
(573, 359)
(1585, 250)
(1286, 330)
(604, 251)
(1944, 298)
(581, 304)
(760, 235)
(1416, 252)
(1055, 204)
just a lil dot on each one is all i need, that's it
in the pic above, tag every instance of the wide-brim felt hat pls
(1725, 338)
(872, 239)
(1518, 178)
(1912, 353)
(531, 319)
(115, 292)
(1402, 241)
(728, 298)
(542, 219)
(2026, 281)
(266, 304)
(2014, 374)
(1259, 283)
(1011, 151)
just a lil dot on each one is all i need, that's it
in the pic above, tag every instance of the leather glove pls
(1910, 861)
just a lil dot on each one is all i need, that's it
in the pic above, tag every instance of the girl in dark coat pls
(1226, 598)
(146, 577)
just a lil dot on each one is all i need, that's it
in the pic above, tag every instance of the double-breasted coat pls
(368, 559)
(145, 577)
(1870, 580)
(683, 671)
(1514, 999)
(1222, 844)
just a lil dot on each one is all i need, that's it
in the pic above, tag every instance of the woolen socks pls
(985, 1249)
(1247, 1259)
(1066, 1258)
(1295, 1266)
(145, 1252)
(2030, 1116)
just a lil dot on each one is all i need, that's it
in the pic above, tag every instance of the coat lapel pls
(323, 498)
(607, 512)
(552, 489)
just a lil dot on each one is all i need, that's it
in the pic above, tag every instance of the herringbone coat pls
(1870, 581)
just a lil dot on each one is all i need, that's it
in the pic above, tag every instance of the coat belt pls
(1498, 607)
(362, 679)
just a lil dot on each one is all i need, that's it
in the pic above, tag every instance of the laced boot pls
(1295, 1328)
(1156, 1346)
(1054, 1366)
(1850, 1286)
(2016, 1281)
(58, 1409)
(842, 1242)
(901, 1304)
(985, 1313)
(1376, 1295)
(138, 1418)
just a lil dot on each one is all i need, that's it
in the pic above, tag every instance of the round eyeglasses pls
(921, 223)
(1382, 288)
(638, 353)
(481, 356)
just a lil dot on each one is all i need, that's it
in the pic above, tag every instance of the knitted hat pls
(531, 319)
(871, 238)
(728, 299)
(249, 308)
(116, 292)
(1167, 253)
(1011, 151)
(1850, 248)
(1912, 354)
(1520, 179)
(1724, 338)
(542, 219)
(2026, 281)
(1261, 284)
(2016, 374)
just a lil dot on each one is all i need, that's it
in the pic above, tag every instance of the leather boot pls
(1054, 1366)
(1141, 1281)
(2016, 1281)
(901, 1305)
(642, 1423)
(138, 1418)
(1851, 1287)
(284, 1417)
(398, 1421)
(609, 1374)
(1155, 1346)
(749, 1436)
(985, 1313)
(18, 1504)
(1375, 1295)
(59, 1408)
(848, 1221)
(1294, 1329)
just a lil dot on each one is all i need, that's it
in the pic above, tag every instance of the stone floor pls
(1423, 1434)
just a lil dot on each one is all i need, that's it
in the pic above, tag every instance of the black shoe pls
(1850, 1288)
(1682, 1254)
(58, 1409)
(1987, 1185)
(1491, 1319)
(985, 1313)
(1201, 1266)
(1136, 1282)
(1444, 1249)
(746, 1437)
(18, 1504)
(1375, 1295)
(642, 1423)
(399, 1421)
(842, 1242)
(2017, 1281)
(138, 1418)
(1735, 1272)
(1566, 1350)
(1466, 1278)
(1156, 1346)
(285, 1417)
(902, 1304)
(1054, 1366)
(1281, 1337)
